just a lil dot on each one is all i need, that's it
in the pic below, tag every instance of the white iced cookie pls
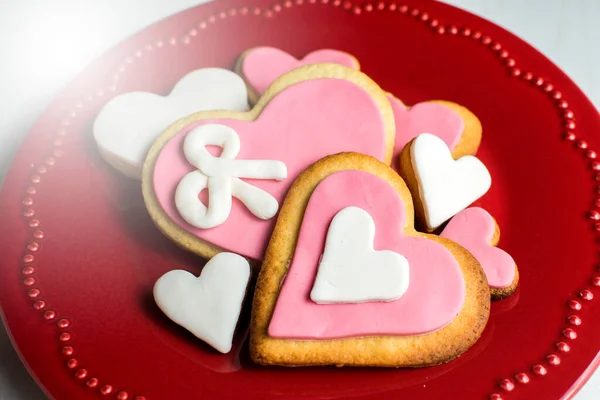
(444, 186)
(208, 306)
(127, 125)
(351, 271)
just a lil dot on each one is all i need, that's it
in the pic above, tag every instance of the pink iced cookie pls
(260, 66)
(432, 267)
(476, 230)
(263, 151)
(348, 281)
(457, 126)
(427, 117)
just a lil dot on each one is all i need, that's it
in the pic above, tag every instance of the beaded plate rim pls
(28, 263)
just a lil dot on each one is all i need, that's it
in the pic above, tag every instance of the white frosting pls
(351, 271)
(128, 124)
(446, 186)
(208, 306)
(220, 175)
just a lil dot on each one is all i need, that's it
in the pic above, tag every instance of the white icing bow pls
(220, 175)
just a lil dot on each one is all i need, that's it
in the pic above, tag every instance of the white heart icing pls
(208, 306)
(127, 125)
(446, 186)
(351, 271)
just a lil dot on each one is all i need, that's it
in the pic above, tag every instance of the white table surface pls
(68, 34)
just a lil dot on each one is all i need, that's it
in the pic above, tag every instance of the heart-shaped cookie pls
(441, 186)
(441, 314)
(128, 124)
(455, 124)
(208, 306)
(261, 66)
(458, 127)
(477, 231)
(305, 115)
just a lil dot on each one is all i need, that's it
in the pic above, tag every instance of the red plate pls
(80, 254)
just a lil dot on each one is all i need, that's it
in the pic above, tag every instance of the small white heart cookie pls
(208, 306)
(350, 270)
(127, 125)
(441, 186)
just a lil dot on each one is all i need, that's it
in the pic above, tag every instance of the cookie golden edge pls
(469, 142)
(203, 248)
(253, 95)
(429, 349)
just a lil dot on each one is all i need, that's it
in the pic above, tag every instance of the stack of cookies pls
(350, 208)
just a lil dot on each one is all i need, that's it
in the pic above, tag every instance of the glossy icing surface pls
(434, 297)
(446, 186)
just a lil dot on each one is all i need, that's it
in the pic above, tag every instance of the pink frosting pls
(425, 117)
(302, 124)
(436, 290)
(263, 65)
(474, 229)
